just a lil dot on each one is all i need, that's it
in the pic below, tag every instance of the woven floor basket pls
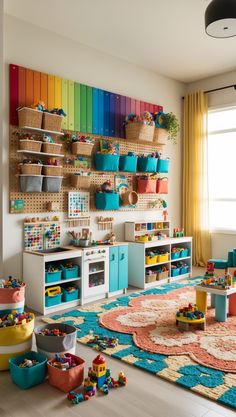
(139, 131)
(30, 117)
(30, 145)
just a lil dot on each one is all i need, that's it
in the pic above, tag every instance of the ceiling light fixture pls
(220, 18)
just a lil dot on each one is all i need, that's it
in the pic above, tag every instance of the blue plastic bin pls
(175, 272)
(107, 201)
(163, 165)
(147, 164)
(70, 296)
(128, 163)
(175, 255)
(184, 253)
(107, 162)
(53, 300)
(184, 270)
(68, 273)
(28, 377)
(52, 276)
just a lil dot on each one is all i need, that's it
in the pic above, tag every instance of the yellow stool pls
(201, 301)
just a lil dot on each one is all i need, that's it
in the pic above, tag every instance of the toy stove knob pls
(87, 253)
(104, 250)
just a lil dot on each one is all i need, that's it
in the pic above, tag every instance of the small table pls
(218, 300)
(185, 322)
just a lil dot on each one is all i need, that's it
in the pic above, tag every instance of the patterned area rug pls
(144, 323)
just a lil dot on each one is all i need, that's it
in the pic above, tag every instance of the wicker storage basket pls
(52, 148)
(150, 278)
(30, 117)
(139, 131)
(81, 181)
(162, 275)
(52, 122)
(31, 169)
(82, 148)
(52, 170)
(30, 145)
(160, 136)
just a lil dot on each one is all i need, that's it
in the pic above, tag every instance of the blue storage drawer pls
(52, 300)
(52, 276)
(70, 296)
(106, 162)
(175, 255)
(107, 201)
(175, 272)
(128, 163)
(163, 165)
(184, 270)
(147, 164)
(68, 273)
(28, 377)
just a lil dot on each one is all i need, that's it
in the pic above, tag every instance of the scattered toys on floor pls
(15, 318)
(102, 342)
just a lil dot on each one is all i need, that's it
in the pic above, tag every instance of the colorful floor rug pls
(144, 323)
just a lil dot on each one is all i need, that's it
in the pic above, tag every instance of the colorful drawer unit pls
(118, 268)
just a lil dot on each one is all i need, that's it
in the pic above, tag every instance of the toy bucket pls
(28, 377)
(50, 345)
(12, 299)
(130, 198)
(69, 379)
(146, 186)
(14, 341)
(107, 201)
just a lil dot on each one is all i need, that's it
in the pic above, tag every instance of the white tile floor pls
(144, 396)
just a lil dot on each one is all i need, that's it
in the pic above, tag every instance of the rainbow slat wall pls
(88, 109)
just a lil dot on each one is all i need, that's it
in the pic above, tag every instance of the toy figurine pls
(106, 186)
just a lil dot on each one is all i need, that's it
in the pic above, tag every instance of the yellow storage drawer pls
(163, 257)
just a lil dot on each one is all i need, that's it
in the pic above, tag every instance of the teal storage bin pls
(184, 270)
(52, 276)
(28, 377)
(147, 164)
(220, 263)
(175, 255)
(128, 163)
(53, 300)
(70, 296)
(106, 162)
(163, 165)
(230, 258)
(175, 272)
(107, 201)
(184, 253)
(68, 273)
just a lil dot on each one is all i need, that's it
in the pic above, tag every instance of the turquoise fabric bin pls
(107, 201)
(175, 255)
(147, 164)
(128, 163)
(106, 162)
(163, 165)
(231, 259)
(184, 270)
(184, 253)
(28, 377)
(70, 296)
(52, 276)
(53, 300)
(175, 272)
(68, 273)
(220, 263)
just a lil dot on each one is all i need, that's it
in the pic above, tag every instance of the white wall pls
(1, 125)
(221, 243)
(30, 46)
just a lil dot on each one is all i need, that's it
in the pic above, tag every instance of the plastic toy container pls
(31, 183)
(107, 201)
(52, 184)
(12, 299)
(175, 255)
(106, 162)
(184, 253)
(15, 341)
(147, 164)
(68, 273)
(184, 270)
(28, 377)
(146, 186)
(163, 165)
(52, 300)
(49, 345)
(66, 380)
(52, 276)
(175, 272)
(128, 163)
(163, 257)
(150, 260)
(70, 295)
(150, 278)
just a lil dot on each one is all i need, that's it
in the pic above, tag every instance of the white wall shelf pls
(142, 228)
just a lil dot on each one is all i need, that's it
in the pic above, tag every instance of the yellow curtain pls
(195, 176)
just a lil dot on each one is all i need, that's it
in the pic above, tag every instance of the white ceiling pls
(165, 36)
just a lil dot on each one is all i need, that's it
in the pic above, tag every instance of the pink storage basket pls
(162, 185)
(12, 299)
(146, 186)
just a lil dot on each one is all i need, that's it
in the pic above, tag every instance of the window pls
(222, 168)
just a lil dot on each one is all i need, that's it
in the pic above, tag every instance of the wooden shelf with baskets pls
(35, 129)
(56, 155)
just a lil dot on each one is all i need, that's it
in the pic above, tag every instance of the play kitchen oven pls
(95, 273)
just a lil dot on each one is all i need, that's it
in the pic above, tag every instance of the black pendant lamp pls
(220, 18)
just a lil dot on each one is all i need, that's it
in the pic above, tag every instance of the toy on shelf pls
(178, 232)
(111, 238)
(190, 315)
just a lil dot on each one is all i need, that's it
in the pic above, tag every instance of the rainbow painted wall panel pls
(89, 109)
